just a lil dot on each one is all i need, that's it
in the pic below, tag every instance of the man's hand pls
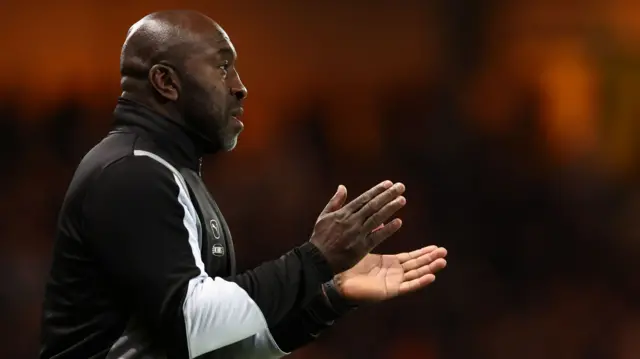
(379, 277)
(345, 234)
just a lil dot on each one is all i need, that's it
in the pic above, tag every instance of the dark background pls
(514, 125)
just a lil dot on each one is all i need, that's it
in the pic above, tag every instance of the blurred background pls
(514, 124)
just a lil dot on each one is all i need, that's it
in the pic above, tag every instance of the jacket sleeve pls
(301, 327)
(297, 329)
(277, 286)
(143, 229)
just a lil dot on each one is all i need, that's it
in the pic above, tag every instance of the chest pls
(214, 236)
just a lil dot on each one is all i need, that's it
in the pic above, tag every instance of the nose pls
(239, 91)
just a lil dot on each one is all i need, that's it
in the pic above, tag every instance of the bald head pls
(167, 37)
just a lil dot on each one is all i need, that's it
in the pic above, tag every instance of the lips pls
(237, 113)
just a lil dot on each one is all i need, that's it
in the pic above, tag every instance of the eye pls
(225, 67)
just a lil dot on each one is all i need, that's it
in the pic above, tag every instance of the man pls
(143, 262)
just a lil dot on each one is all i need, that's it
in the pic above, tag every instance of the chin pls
(230, 144)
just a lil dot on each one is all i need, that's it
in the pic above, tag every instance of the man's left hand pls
(379, 277)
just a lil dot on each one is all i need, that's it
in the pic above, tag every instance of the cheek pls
(211, 90)
(219, 96)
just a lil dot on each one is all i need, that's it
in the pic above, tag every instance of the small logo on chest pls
(217, 250)
(215, 228)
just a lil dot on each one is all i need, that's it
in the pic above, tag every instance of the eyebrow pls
(226, 51)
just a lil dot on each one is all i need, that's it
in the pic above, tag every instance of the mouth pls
(237, 113)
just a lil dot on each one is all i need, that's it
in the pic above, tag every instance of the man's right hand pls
(345, 234)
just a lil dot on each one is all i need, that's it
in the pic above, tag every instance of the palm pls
(378, 277)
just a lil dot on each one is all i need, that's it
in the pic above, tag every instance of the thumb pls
(337, 201)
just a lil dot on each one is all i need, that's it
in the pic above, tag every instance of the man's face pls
(212, 93)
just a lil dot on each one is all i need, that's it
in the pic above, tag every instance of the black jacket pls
(143, 261)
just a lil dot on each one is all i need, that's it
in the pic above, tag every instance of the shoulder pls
(137, 175)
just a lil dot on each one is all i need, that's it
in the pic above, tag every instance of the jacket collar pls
(166, 133)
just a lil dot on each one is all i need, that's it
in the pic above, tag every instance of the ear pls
(165, 81)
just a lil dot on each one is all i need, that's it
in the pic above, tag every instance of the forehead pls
(212, 46)
(221, 44)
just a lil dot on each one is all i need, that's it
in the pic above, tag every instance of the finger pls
(364, 198)
(431, 268)
(385, 232)
(337, 201)
(381, 200)
(404, 257)
(424, 259)
(415, 284)
(383, 214)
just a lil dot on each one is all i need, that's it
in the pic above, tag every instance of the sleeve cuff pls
(338, 303)
(310, 251)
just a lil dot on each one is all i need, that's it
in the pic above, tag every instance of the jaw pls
(230, 144)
